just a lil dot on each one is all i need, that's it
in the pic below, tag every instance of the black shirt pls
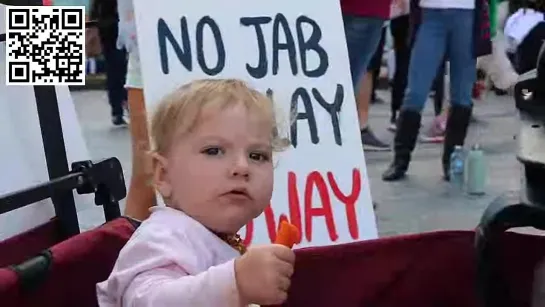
(105, 13)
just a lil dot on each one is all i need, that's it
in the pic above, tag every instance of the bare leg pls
(363, 99)
(141, 194)
(363, 37)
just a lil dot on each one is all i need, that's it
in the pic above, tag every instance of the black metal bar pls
(110, 205)
(55, 155)
(103, 178)
(111, 211)
(23, 198)
(55, 151)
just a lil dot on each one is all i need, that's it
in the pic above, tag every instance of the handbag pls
(482, 40)
(93, 46)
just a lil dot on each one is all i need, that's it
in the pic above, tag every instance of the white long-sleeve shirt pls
(172, 260)
(520, 24)
(448, 4)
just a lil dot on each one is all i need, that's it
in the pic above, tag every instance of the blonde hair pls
(179, 111)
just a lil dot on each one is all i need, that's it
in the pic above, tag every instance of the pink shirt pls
(172, 260)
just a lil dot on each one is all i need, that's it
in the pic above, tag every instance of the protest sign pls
(296, 53)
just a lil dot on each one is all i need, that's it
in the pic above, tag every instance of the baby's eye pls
(212, 151)
(259, 156)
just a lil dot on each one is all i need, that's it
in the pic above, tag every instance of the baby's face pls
(221, 173)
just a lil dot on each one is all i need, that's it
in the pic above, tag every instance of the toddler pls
(213, 142)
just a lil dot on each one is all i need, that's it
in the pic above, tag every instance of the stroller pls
(56, 265)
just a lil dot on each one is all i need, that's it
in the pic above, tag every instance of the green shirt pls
(493, 12)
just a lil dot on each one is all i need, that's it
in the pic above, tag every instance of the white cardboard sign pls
(296, 51)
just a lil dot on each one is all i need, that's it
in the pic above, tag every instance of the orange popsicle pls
(287, 234)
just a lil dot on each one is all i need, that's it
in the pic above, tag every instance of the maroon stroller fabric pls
(77, 265)
(20, 247)
(423, 270)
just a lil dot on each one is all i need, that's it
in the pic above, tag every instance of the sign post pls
(296, 53)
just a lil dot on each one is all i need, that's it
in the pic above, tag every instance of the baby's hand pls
(263, 274)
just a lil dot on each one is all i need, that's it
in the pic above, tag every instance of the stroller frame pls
(524, 209)
(104, 178)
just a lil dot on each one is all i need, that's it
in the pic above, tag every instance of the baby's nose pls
(240, 167)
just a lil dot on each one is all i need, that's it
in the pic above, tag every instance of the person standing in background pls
(363, 22)
(400, 28)
(457, 29)
(104, 12)
(525, 32)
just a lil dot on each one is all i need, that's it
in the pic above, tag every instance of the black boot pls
(408, 125)
(457, 124)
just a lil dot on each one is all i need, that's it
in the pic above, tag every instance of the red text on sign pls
(302, 212)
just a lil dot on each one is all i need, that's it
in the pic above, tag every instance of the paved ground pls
(421, 203)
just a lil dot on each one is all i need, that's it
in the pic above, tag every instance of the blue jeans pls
(362, 39)
(442, 32)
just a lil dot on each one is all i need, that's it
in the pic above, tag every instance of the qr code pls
(45, 45)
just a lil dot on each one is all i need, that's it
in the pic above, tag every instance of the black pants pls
(116, 71)
(399, 27)
(376, 63)
(439, 88)
(528, 50)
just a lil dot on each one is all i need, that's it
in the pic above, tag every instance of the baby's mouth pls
(239, 193)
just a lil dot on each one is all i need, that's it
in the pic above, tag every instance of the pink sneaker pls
(436, 133)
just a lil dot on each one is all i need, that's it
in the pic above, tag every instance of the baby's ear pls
(161, 181)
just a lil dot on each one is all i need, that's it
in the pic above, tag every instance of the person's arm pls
(168, 287)
(95, 10)
(156, 268)
(497, 66)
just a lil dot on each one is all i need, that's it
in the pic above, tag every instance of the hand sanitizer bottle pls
(475, 171)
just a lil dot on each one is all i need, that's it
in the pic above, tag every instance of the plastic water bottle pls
(475, 171)
(457, 161)
(91, 66)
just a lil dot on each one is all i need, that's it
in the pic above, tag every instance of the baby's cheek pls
(264, 200)
(258, 209)
(187, 188)
(265, 188)
(267, 176)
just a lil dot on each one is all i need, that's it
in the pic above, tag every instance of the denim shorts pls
(362, 39)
